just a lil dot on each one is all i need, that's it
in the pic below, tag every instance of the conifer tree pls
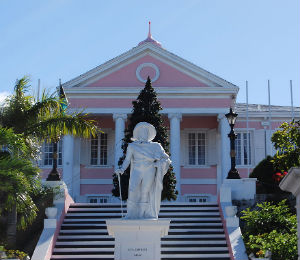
(146, 109)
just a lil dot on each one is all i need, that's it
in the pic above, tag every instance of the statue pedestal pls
(137, 239)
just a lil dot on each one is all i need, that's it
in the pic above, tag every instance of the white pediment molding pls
(163, 55)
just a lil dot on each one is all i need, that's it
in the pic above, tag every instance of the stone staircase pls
(196, 232)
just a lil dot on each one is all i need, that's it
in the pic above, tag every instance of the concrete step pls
(162, 214)
(164, 249)
(173, 220)
(169, 243)
(163, 204)
(172, 225)
(197, 256)
(82, 257)
(173, 209)
(163, 256)
(196, 232)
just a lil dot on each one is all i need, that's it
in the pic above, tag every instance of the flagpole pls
(292, 103)
(270, 123)
(38, 90)
(247, 126)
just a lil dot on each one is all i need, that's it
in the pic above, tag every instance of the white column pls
(175, 119)
(119, 135)
(68, 162)
(224, 130)
(76, 169)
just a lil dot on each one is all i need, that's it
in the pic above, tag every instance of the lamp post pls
(54, 174)
(231, 117)
(63, 104)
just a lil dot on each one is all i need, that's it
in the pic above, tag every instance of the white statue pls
(149, 164)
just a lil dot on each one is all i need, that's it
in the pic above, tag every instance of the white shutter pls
(259, 145)
(85, 150)
(212, 147)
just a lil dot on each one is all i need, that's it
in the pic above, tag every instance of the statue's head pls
(144, 131)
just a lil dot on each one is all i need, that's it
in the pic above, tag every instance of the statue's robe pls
(148, 163)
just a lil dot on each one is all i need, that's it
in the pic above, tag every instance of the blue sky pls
(237, 40)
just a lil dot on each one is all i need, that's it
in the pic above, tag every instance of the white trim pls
(186, 132)
(143, 65)
(198, 181)
(96, 181)
(251, 132)
(159, 53)
(100, 96)
(190, 111)
(133, 90)
(109, 164)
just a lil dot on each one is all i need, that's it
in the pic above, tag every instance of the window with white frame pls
(197, 148)
(99, 150)
(100, 199)
(195, 199)
(243, 149)
(48, 153)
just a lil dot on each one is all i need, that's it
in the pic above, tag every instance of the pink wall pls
(199, 173)
(126, 76)
(165, 102)
(104, 121)
(68, 201)
(199, 122)
(96, 173)
(225, 230)
(95, 189)
(198, 188)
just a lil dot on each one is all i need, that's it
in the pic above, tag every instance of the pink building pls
(194, 103)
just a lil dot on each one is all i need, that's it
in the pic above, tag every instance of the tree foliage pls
(19, 182)
(24, 123)
(264, 172)
(146, 108)
(43, 119)
(271, 227)
(287, 143)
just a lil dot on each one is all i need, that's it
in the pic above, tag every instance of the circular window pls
(147, 69)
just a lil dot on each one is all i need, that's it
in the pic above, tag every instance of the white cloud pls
(3, 96)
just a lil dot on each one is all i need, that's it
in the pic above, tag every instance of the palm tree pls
(18, 178)
(42, 120)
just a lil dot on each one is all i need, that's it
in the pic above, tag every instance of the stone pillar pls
(175, 119)
(68, 162)
(137, 239)
(119, 135)
(224, 130)
(76, 169)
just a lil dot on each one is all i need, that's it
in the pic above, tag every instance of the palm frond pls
(76, 124)
(14, 142)
(22, 86)
(45, 106)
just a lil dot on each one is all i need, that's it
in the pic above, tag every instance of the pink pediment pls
(168, 76)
